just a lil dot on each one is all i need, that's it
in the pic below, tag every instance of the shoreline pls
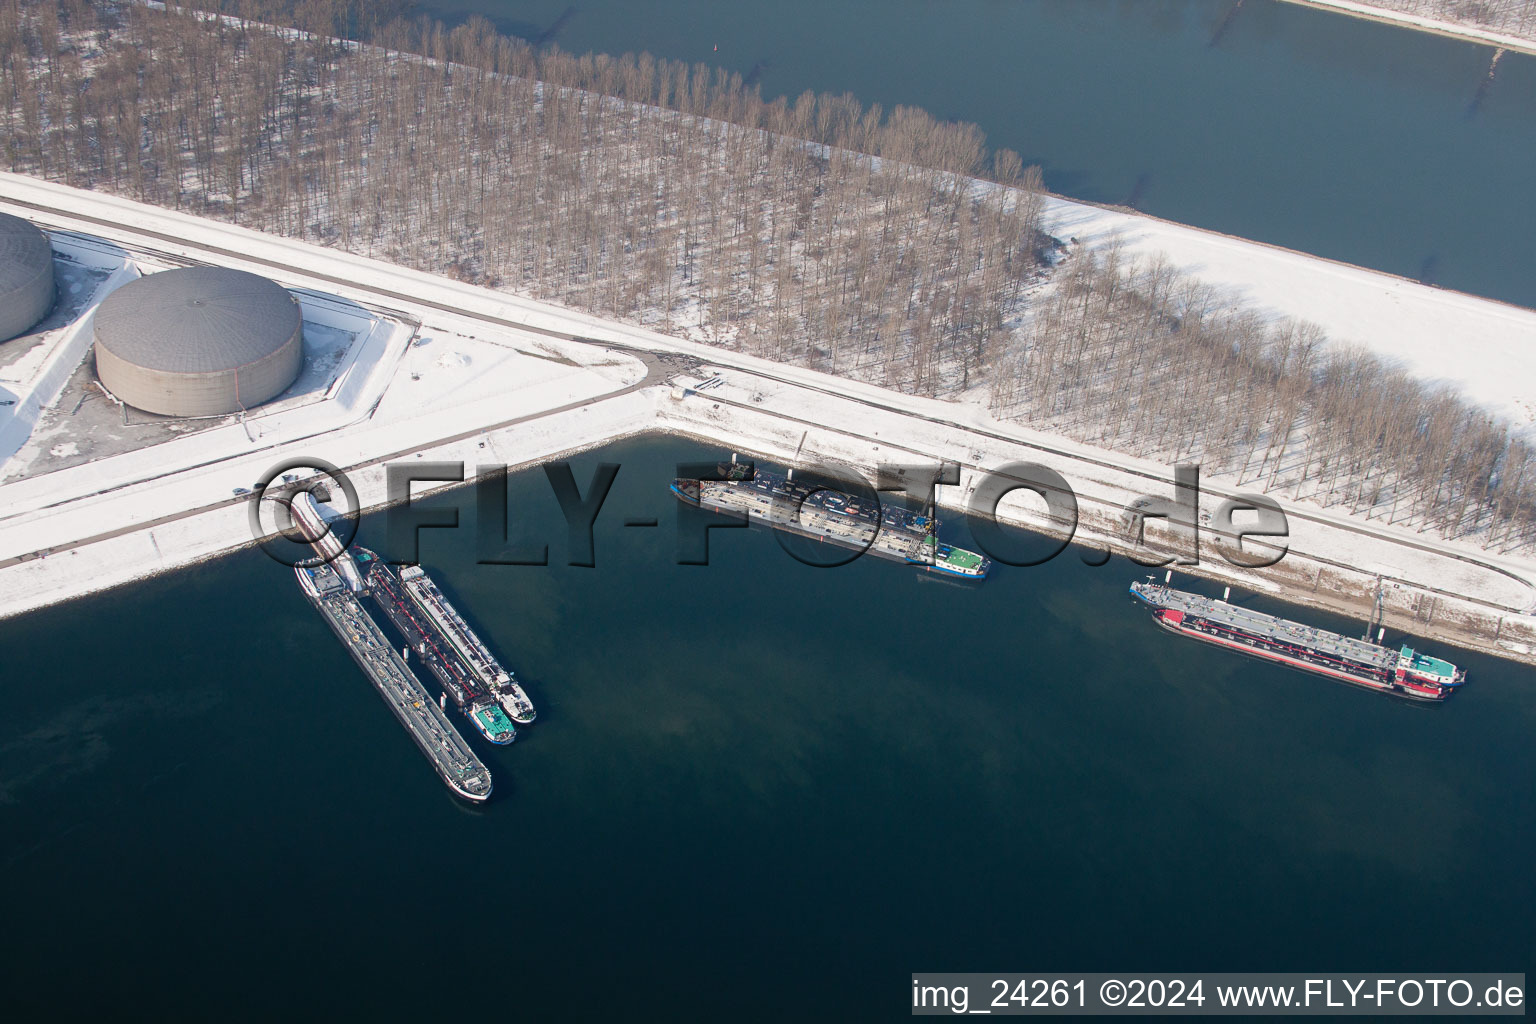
(1316, 584)
(1286, 585)
(608, 380)
(1421, 23)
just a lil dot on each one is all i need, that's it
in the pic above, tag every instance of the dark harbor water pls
(1349, 139)
(757, 791)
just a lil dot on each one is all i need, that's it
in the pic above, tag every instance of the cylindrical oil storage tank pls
(199, 341)
(26, 276)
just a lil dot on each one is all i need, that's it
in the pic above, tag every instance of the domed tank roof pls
(197, 320)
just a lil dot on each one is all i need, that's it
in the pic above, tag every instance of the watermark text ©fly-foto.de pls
(406, 514)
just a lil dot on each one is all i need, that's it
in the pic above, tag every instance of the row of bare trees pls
(815, 232)
(1142, 359)
(693, 216)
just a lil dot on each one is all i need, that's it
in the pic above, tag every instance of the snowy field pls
(1486, 349)
(473, 385)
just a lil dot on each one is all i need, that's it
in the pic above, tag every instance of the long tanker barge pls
(412, 705)
(833, 516)
(1403, 672)
(470, 696)
(481, 664)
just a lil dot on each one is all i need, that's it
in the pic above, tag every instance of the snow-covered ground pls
(1486, 349)
(474, 377)
(350, 356)
(33, 381)
(1424, 23)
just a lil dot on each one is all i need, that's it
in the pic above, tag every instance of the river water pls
(1335, 136)
(761, 791)
(756, 790)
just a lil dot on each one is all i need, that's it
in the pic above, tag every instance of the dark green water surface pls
(756, 791)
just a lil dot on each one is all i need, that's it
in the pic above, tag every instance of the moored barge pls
(458, 681)
(1402, 672)
(412, 706)
(471, 651)
(836, 517)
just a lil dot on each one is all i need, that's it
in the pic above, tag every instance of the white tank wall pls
(202, 394)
